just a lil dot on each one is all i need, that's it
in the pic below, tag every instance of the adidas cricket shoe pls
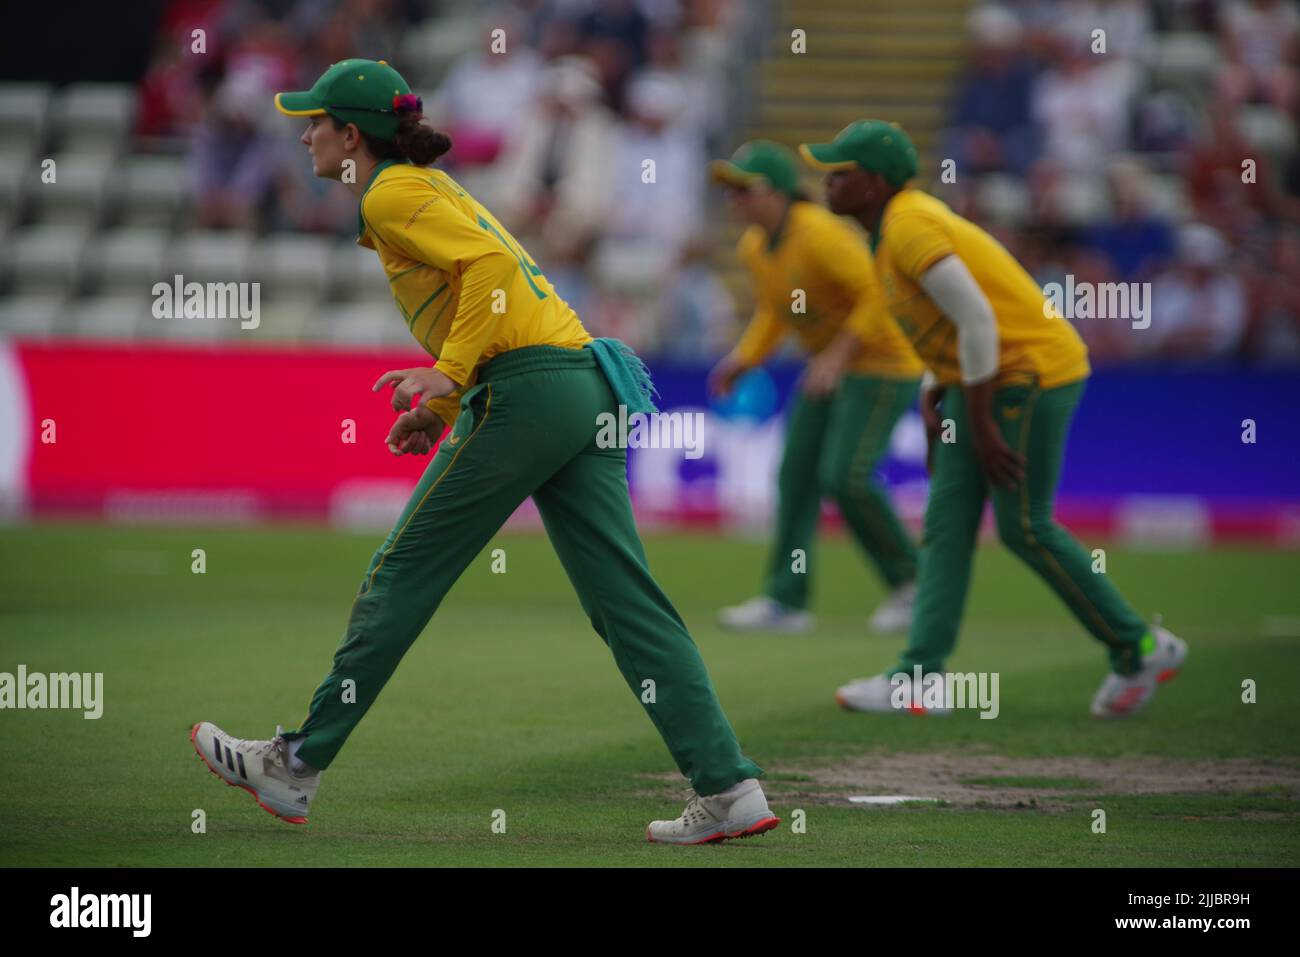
(739, 811)
(879, 695)
(1121, 695)
(765, 614)
(895, 612)
(261, 768)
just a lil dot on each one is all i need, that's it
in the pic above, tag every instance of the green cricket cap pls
(874, 145)
(369, 93)
(759, 160)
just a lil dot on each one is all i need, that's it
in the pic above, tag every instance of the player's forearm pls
(757, 342)
(845, 347)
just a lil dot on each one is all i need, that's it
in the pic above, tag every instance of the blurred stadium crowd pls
(1122, 166)
(1131, 167)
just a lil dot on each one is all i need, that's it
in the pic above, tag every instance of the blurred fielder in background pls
(1007, 376)
(813, 275)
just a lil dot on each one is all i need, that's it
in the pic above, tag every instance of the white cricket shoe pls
(764, 614)
(879, 695)
(1121, 695)
(895, 612)
(739, 811)
(261, 768)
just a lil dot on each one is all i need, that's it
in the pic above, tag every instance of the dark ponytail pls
(419, 143)
(413, 141)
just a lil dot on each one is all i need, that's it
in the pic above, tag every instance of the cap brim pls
(824, 156)
(298, 104)
(729, 174)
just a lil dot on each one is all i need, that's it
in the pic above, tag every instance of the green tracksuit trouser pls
(832, 445)
(529, 427)
(1034, 422)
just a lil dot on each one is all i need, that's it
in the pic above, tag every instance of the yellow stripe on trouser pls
(859, 469)
(1026, 523)
(952, 519)
(487, 410)
(370, 579)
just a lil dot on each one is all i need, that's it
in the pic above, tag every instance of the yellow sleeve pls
(763, 334)
(841, 259)
(423, 226)
(765, 330)
(445, 407)
(917, 242)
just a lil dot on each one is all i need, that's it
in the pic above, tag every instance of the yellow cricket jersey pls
(467, 289)
(821, 256)
(1034, 342)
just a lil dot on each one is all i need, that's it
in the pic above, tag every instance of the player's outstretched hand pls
(414, 432)
(426, 381)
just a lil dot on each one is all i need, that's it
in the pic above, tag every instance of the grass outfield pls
(509, 701)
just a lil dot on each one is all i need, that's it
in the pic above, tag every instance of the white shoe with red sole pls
(1123, 695)
(880, 695)
(262, 768)
(739, 811)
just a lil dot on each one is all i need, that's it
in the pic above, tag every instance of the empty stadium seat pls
(24, 115)
(1267, 129)
(293, 265)
(375, 322)
(45, 257)
(284, 320)
(109, 317)
(429, 48)
(15, 167)
(1188, 62)
(210, 256)
(154, 190)
(31, 316)
(128, 258)
(88, 115)
(355, 273)
(78, 191)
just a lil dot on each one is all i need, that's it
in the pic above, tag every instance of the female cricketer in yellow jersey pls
(812, 275)
(1007, 374)
(523, 386)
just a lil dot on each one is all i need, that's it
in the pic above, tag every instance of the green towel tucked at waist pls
(627, 374)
